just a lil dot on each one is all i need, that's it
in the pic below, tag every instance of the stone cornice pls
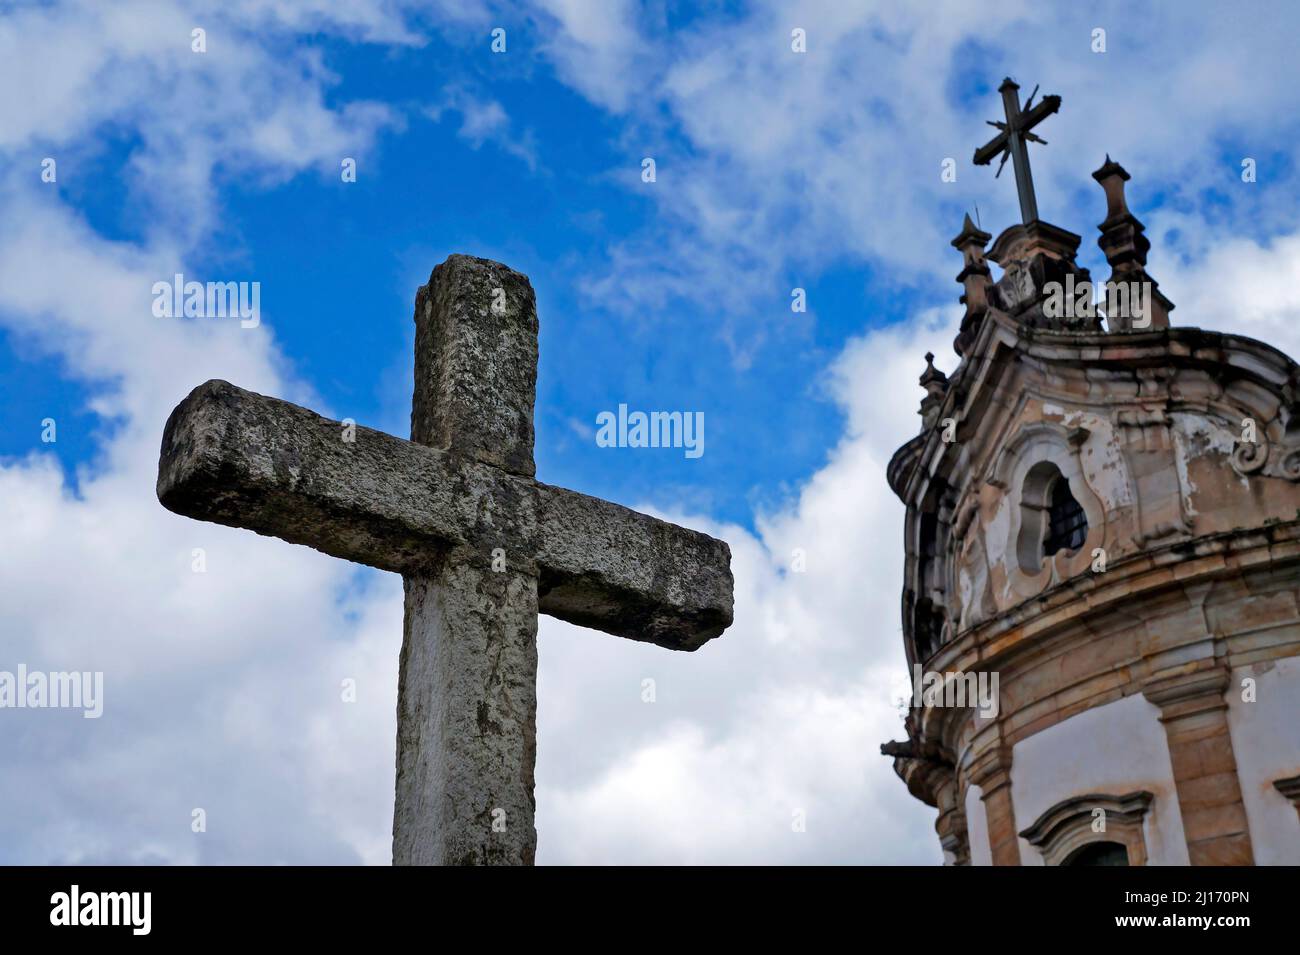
(1046, 625)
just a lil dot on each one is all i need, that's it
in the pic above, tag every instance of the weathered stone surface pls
(242, 459)
(245, 460)
(466, 729)
(629, 574)
(483, 548)
(476, 363)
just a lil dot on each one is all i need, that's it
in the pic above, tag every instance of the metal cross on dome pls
(1012, 138)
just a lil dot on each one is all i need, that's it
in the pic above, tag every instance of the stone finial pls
(1112, 177)
(975, 279)
(935, 384)
(1125, 246)
(971, 236)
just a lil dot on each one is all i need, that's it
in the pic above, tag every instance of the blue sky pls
(775, 170)
(339, 264)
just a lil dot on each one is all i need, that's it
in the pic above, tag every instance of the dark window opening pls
(1099, 853)
(928, 627)
(1067, 525)
(928, 611)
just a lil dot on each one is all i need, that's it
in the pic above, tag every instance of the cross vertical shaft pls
(1012, 142)
(467, 718)
(467, 692)
(1019, 153)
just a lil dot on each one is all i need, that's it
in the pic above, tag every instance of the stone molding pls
(1184, 694)
(1068, 826)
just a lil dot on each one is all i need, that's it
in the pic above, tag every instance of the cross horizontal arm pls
(242, 459)
(995, 146)
(1039, 112)
(245, 460)
(614, 569)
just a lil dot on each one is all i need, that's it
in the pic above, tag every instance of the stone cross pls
(482, 546)
(1012, 139)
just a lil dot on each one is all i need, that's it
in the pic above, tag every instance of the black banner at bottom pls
(334, 905)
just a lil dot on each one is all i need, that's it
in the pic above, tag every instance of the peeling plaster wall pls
(1102, 461)
(1113, 749)
(1204, 451)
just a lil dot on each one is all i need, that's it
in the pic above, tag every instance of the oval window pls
(1051, 520)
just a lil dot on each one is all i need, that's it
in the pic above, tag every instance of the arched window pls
(1095, 829)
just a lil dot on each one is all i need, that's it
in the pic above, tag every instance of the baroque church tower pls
(1103, 522)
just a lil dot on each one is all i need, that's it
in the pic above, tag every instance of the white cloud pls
(596, 47)
(484, 120)
(245, 106)
(377, 21)
(1241, 286)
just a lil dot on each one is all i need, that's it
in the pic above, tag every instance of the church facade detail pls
(1103, 511)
